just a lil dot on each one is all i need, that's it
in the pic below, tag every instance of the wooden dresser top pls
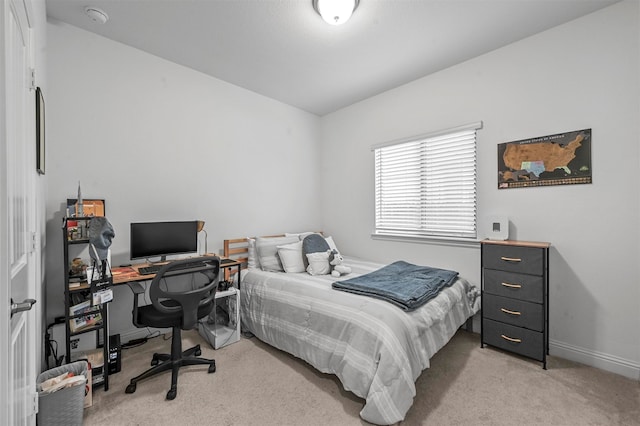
(536, 244)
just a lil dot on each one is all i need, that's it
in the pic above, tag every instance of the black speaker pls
(115, 354)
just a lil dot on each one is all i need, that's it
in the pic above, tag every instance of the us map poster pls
(560, 159)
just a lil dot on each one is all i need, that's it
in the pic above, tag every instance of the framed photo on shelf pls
(40, 132)
(90, 207)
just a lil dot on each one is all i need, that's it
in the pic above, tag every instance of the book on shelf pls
(77, 278)
(93, 316)
(85, 322)
(76, 281)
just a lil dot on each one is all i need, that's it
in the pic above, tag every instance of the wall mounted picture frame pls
(559, 159)
(40, 132)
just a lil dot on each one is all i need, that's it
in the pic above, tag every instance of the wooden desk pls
(128, 274)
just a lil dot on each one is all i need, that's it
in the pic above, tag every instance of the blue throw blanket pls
(405, 285)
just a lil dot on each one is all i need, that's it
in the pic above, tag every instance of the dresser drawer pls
(515, 339)
(517, 286)
(524, 260)
(513, 311)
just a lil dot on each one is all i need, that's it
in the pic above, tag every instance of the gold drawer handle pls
(507, 311)
(511, 259)
(511, 339)
(512, 285)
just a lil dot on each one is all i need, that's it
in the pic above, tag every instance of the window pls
(426, 186)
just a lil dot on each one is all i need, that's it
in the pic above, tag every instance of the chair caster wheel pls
(131, 388)
(172, 394)
(154, 360)
(212, 368)
(198, 352)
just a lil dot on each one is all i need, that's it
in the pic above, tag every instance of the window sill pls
(446, 241)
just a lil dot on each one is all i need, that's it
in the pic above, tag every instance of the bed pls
(376, 349)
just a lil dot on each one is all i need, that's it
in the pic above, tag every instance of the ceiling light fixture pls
(335, 12)
(96, 15)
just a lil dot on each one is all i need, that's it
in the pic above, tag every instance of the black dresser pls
(515, 297)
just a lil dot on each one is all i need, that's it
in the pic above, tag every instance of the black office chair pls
(181, 293)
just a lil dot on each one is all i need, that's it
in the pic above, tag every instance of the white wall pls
(159, 141)
(584, 74)
(109, 104)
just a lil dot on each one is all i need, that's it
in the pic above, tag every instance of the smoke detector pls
(96, 15)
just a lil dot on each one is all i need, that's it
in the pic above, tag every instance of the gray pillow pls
(313, 243)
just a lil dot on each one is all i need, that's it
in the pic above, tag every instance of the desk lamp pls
(201, 228)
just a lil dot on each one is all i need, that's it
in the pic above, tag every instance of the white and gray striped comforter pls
(376, 349)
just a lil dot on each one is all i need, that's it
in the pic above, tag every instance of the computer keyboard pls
(153, 269)
(148, 270)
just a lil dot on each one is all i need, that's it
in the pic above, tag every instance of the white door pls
(17, 218)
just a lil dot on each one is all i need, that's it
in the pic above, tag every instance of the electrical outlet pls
(74, 343)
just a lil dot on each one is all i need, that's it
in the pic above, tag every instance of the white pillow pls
(267, 249)
(291, 257)
(318, 263)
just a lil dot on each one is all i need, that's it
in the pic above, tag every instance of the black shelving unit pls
(75, 239)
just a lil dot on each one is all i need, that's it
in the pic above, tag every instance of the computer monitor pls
(153, 239)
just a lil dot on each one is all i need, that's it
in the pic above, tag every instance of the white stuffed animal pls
(337, 268)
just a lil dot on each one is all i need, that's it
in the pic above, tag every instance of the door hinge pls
(35, 405)
(34, 241)
(32, 78)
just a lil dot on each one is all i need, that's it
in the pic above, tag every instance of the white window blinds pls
(426, 186)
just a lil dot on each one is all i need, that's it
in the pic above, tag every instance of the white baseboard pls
(613, 364)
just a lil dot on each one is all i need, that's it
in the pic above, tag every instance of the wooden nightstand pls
(515, 297)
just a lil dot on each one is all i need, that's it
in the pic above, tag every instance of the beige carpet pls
(257, 385)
